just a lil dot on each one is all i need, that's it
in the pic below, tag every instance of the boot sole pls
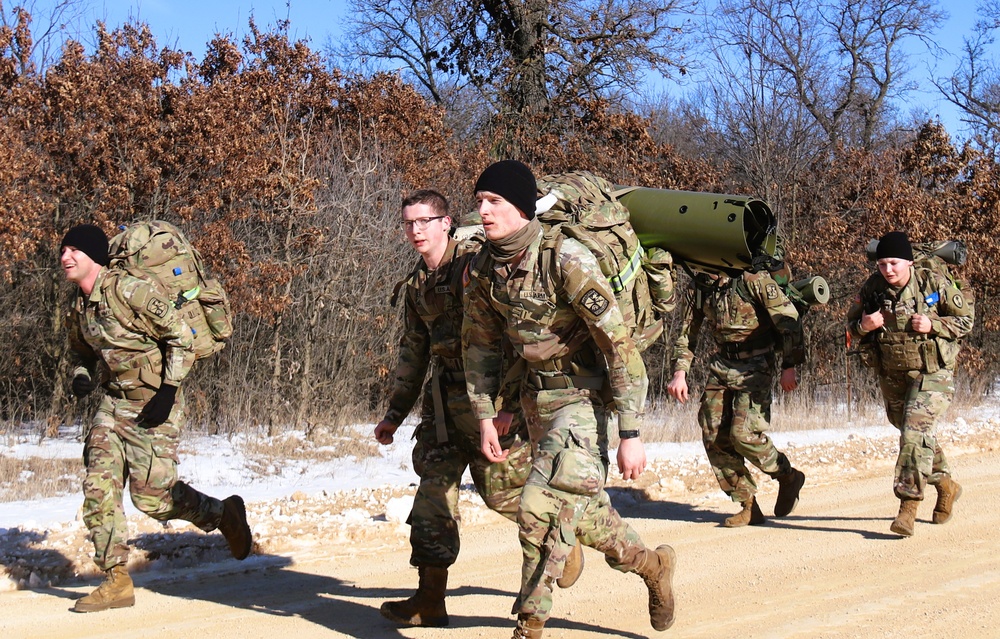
(941, 518)
(797, 488)
(127, 602)
(241, 509)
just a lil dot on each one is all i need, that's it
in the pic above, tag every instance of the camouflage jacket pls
(952, 314)
(567, 314)
(432, 325)
(747, 315)
(130, 326)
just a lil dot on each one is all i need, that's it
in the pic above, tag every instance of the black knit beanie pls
(90, 239)
(894, 244)
(513, 181)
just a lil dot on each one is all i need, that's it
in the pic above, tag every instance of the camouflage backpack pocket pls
(218, 313)
(577, 471)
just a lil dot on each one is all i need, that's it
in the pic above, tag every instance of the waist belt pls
(743, 350)
(133, 394)
(562, 381)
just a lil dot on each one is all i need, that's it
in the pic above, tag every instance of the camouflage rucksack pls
(582, 206)
(157, 251)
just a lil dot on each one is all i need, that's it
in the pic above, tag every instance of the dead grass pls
(322, 446)
(36, 477)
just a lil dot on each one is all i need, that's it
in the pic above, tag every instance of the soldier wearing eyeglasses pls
(447, 438)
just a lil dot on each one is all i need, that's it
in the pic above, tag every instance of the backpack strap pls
(119, 306)
(401, 283)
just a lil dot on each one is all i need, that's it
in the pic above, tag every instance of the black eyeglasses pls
(421, 223)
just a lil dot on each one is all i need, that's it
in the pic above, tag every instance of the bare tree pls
(52, 24)
(524, 52)
(841, 60)
(974, 87)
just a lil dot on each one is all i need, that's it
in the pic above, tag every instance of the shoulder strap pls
(401, 283)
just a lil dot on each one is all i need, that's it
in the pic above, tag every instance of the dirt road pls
(831, 569)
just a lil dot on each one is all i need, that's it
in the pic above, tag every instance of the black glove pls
(157, 410)
(83, 385)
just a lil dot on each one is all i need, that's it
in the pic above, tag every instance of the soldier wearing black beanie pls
(513, 181)
(894, 244)
(89, 239)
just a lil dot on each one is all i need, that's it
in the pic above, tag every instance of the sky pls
(190, 24)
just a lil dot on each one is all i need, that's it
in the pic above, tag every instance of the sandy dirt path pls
(831, 569)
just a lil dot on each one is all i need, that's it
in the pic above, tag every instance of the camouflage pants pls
(434, 519)
(735, 410)
(564, 499)
(913, 401)
(114, 450)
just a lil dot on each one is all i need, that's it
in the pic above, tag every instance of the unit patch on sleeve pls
(156, 307)
(595, 302)
(958, 300)
(772, 291)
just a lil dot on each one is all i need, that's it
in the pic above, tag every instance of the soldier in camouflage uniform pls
(447, 439)
(124, 331)
(580, 364)
(911, 320)
(749, 316)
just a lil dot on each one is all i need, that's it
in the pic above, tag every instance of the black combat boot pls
(234, 527)
(426, 606)
(789, 486)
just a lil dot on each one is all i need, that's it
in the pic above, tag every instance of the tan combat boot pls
(903, 524)
(426, 606)
(573, 567)
(750, 514)
(948, 493)
(657, 570)
(114, 592)
(528, 628)
(234, 527)
(789, 486)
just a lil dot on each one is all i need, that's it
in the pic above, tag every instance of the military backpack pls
(583, 206)
(158, 252)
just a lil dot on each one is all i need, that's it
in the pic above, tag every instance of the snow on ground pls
(312, 504)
